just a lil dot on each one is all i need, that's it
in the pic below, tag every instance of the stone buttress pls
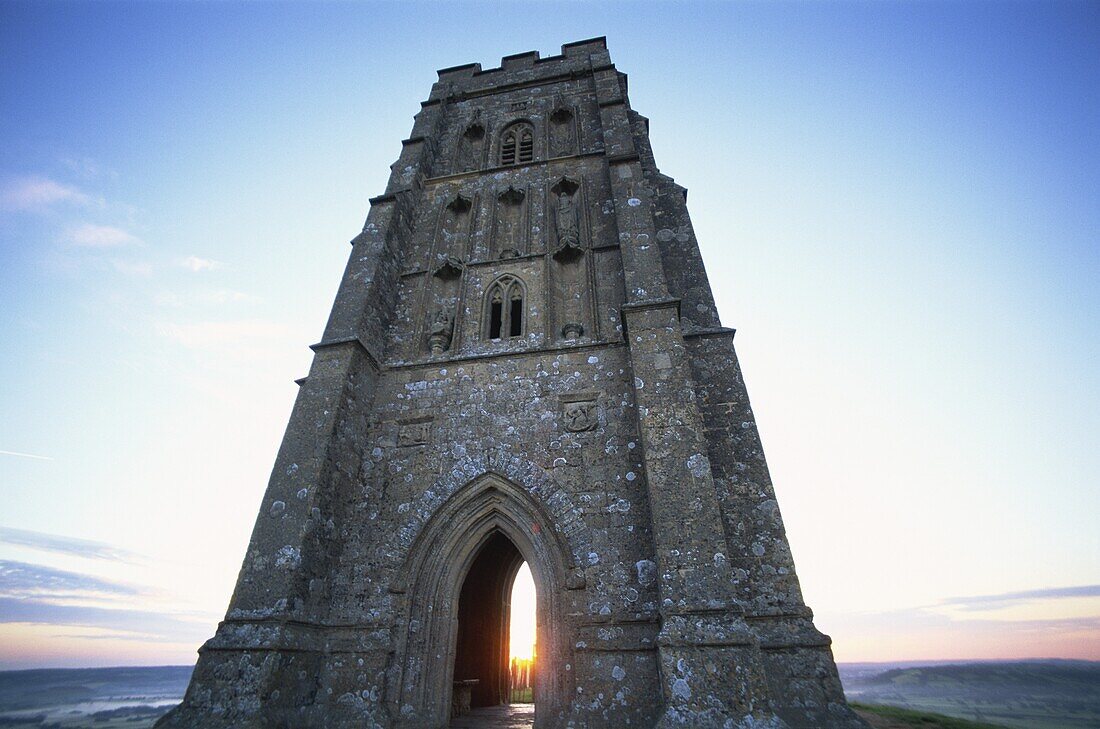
(524, 349)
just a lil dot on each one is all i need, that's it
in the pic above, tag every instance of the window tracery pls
(505, 310)
(517, 144)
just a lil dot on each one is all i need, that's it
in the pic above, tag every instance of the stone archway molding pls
(549, 500)
(445, 531)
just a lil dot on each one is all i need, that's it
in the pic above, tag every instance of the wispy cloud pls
(40, 595)
(219, 334)
(22, 579)
(143, 622)
(39, 193)
(939, 632)
(17, 454)
(196, 264)
(1005, 599)
(215, 297)
(226, 296)
(133, 268)
(91, 235)
(65, 545)
(1049, 621)
(87, 167)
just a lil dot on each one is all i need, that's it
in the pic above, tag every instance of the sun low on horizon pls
(894, 204)
(522, 623)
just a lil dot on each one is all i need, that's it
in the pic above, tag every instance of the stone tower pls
(523, 363)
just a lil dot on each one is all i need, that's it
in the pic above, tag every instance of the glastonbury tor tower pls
(523, 363)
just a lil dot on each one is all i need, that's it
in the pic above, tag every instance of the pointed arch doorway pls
(472, 547)
(482, 648)
(485, 676)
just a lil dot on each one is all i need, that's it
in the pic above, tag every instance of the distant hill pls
(104, 698)
(1018, 694)
(891, 717)
(1026, 694)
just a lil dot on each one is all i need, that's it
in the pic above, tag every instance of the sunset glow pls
(521, 631)
(896, 207)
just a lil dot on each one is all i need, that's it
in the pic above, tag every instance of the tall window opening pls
(505, 311)
(515, 316)
(496, 317)
(517, 145)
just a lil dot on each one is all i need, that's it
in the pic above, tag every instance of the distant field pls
(103, 698)
(1024, 695)
(1019, 695)
(891, 717)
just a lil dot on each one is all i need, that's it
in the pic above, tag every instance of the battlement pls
(574, 56)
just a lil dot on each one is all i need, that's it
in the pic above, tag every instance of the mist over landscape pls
(1041, 694)
(892, 204)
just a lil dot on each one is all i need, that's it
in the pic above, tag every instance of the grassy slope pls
(891, 717)
(1024, 695)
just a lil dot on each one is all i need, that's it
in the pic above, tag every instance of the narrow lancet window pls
(526, 145)
(517, 144)
(505, 311)
(515, 316)
(496, 316)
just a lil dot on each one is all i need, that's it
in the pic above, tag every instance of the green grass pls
(922, 719)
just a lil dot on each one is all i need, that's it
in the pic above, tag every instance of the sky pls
(897, 205)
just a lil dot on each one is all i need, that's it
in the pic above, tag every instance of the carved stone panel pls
(414, 433)
(579, 413)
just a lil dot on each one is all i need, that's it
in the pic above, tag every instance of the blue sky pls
(897, 207)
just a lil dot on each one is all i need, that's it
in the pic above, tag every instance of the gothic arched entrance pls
(484, 610)
(461, 569)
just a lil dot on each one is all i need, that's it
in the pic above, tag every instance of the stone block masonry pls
(523, 363)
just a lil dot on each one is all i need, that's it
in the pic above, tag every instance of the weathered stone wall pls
(611, 441)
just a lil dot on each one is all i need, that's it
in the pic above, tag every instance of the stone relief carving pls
(567, 221)
(449, 268)
(459, 205)
(470, 145)
(579, 416)
(509, 225)
(414, 434)
(561, 130)
(442, 330)
(572, 330)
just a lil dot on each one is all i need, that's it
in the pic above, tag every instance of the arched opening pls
(522, 637)
(468, 516)
(481, 649)
(505, 309)
(489, 670)
(517, 144)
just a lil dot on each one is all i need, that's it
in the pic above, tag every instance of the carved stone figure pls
(439, 338)
(567, 221)
(579, 416)
(470, 144)
(510, 215)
